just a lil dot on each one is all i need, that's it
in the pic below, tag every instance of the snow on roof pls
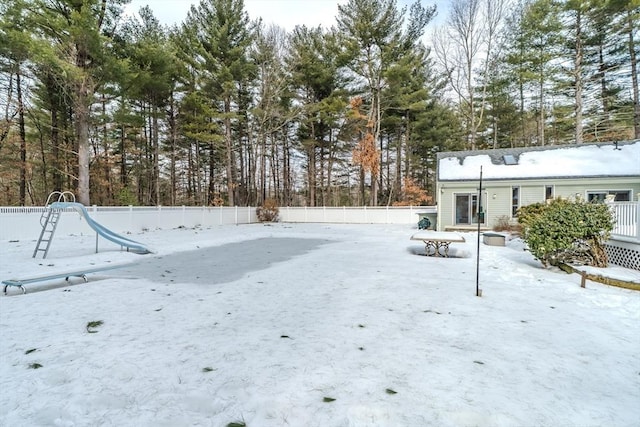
(596, 160)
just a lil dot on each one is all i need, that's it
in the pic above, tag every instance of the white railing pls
(627, 220)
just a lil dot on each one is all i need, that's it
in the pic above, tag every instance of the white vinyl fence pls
(18, 223)
(358, 215)
(24, 222)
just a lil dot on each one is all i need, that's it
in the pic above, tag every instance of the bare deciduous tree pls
(462, 48)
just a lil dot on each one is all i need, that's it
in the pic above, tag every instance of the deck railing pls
(627, 220)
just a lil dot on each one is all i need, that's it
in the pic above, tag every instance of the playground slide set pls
(49, 222)
(102, 230)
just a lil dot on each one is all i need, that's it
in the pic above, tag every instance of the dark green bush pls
(567, 231)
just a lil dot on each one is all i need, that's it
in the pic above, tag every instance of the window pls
(601, 195)
(466, 206)
(548, 192)
(515, 200)
(509, 160)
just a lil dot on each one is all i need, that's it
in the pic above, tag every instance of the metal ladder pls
(49, 221)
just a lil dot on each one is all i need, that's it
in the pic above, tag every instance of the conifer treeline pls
(224, 110)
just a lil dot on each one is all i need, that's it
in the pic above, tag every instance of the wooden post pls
(583, 280)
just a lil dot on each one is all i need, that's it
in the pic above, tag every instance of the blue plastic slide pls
(102, 230)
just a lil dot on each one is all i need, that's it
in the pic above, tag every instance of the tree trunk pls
(230, 157)
(82, 138)
(330, 162)
(263, 168)
(156, 156)
(362, 188)
(311, 171)
(55, 149)
(286, 170)
(603, 85)
(541, 113)
(197, 184)
(251, 174)
(311, 168)
(82, 110)
(578, 78)
(23, 139)
(212, 176)
(634, 75)
(174, 143)
(107, 160)
(190, 184)
(123, 157)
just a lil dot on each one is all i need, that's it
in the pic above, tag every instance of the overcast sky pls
(286, 13)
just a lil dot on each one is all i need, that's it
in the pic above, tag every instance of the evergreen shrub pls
(567, 231)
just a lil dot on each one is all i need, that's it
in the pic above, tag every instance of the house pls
(522, 176)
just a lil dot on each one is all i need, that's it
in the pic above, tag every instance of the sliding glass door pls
(466, 208)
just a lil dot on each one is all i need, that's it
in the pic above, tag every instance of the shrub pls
(125, 197)
(268, 212)
(503, 223)
(564, 231)
(527, 213)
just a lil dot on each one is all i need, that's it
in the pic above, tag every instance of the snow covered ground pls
(262, 328)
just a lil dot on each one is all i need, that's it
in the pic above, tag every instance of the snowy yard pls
(348, 327)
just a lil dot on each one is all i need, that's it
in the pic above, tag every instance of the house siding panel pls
(571, 170)
(531, 191)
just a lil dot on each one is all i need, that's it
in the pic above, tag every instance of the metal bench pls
(19, 283)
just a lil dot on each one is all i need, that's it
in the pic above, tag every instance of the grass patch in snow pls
(92, 325)
(34, 366)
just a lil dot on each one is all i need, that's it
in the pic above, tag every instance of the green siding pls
(531, 191)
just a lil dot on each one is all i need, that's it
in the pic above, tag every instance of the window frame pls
(472, 208)
(516, 200)
(549, 192)
(600, 195)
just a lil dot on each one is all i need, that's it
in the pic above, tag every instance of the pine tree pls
(73, 38)
(224, 34)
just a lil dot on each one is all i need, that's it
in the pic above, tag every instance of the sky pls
(285, 13)
(312, 325)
